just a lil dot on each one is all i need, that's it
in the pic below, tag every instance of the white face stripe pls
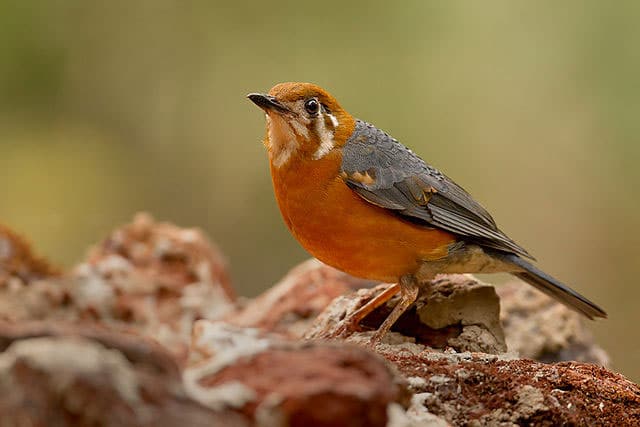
(334, 121)
(326, 138)
(285, 131)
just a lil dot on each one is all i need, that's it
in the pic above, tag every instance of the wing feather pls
(405, 184)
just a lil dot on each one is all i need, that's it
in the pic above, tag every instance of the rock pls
(460, 312)
(162, 253)
(473, 381)
(71, 375)
(290, 306)
(538, 327)
(455, 311)
(276, 382)
(415, 416)
(137, 349)
(115, 333)
(27, 281)
(478, 389)
(19, 265)
(153, 277)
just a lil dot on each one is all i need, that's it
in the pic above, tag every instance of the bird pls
(360, 201)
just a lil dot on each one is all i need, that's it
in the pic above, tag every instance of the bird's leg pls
(408, 294)
(376, 302)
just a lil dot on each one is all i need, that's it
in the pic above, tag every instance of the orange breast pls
(341, 229)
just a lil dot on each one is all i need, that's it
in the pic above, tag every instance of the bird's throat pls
(281, 140)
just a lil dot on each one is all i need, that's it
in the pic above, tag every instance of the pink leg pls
(376, 302)
(408, 294)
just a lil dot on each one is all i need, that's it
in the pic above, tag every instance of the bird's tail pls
(553, 287)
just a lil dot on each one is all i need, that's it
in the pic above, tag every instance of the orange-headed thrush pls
(360, 201)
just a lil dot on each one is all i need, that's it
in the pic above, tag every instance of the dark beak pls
(267, 102)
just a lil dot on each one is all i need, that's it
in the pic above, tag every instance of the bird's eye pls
(312, 106)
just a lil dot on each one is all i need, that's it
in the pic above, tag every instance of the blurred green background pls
(108, 108)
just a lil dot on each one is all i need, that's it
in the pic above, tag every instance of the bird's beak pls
(267, 102)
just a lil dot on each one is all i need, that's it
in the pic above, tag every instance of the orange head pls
(303, 121)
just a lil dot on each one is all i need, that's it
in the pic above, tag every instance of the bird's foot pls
(408, 293)
(408, 289)
(348, 327)
(351, 322)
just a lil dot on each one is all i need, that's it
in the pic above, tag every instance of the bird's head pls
(303, 121)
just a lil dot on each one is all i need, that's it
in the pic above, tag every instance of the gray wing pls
(386, 173)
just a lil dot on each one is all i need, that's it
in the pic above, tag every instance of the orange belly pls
(343, 230)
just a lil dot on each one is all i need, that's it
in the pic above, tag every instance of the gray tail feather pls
(553, 287)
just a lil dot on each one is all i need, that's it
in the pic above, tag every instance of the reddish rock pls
(18, 262)
(170, 256)
(68, 375)
(462, 313)
(291, 305)
(277, 383)
(137, 349)
(538, 327)
(477, 389)
(454, 311)
(155, 278)
(149, 283)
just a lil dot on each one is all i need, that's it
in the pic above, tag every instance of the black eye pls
(312, 106)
